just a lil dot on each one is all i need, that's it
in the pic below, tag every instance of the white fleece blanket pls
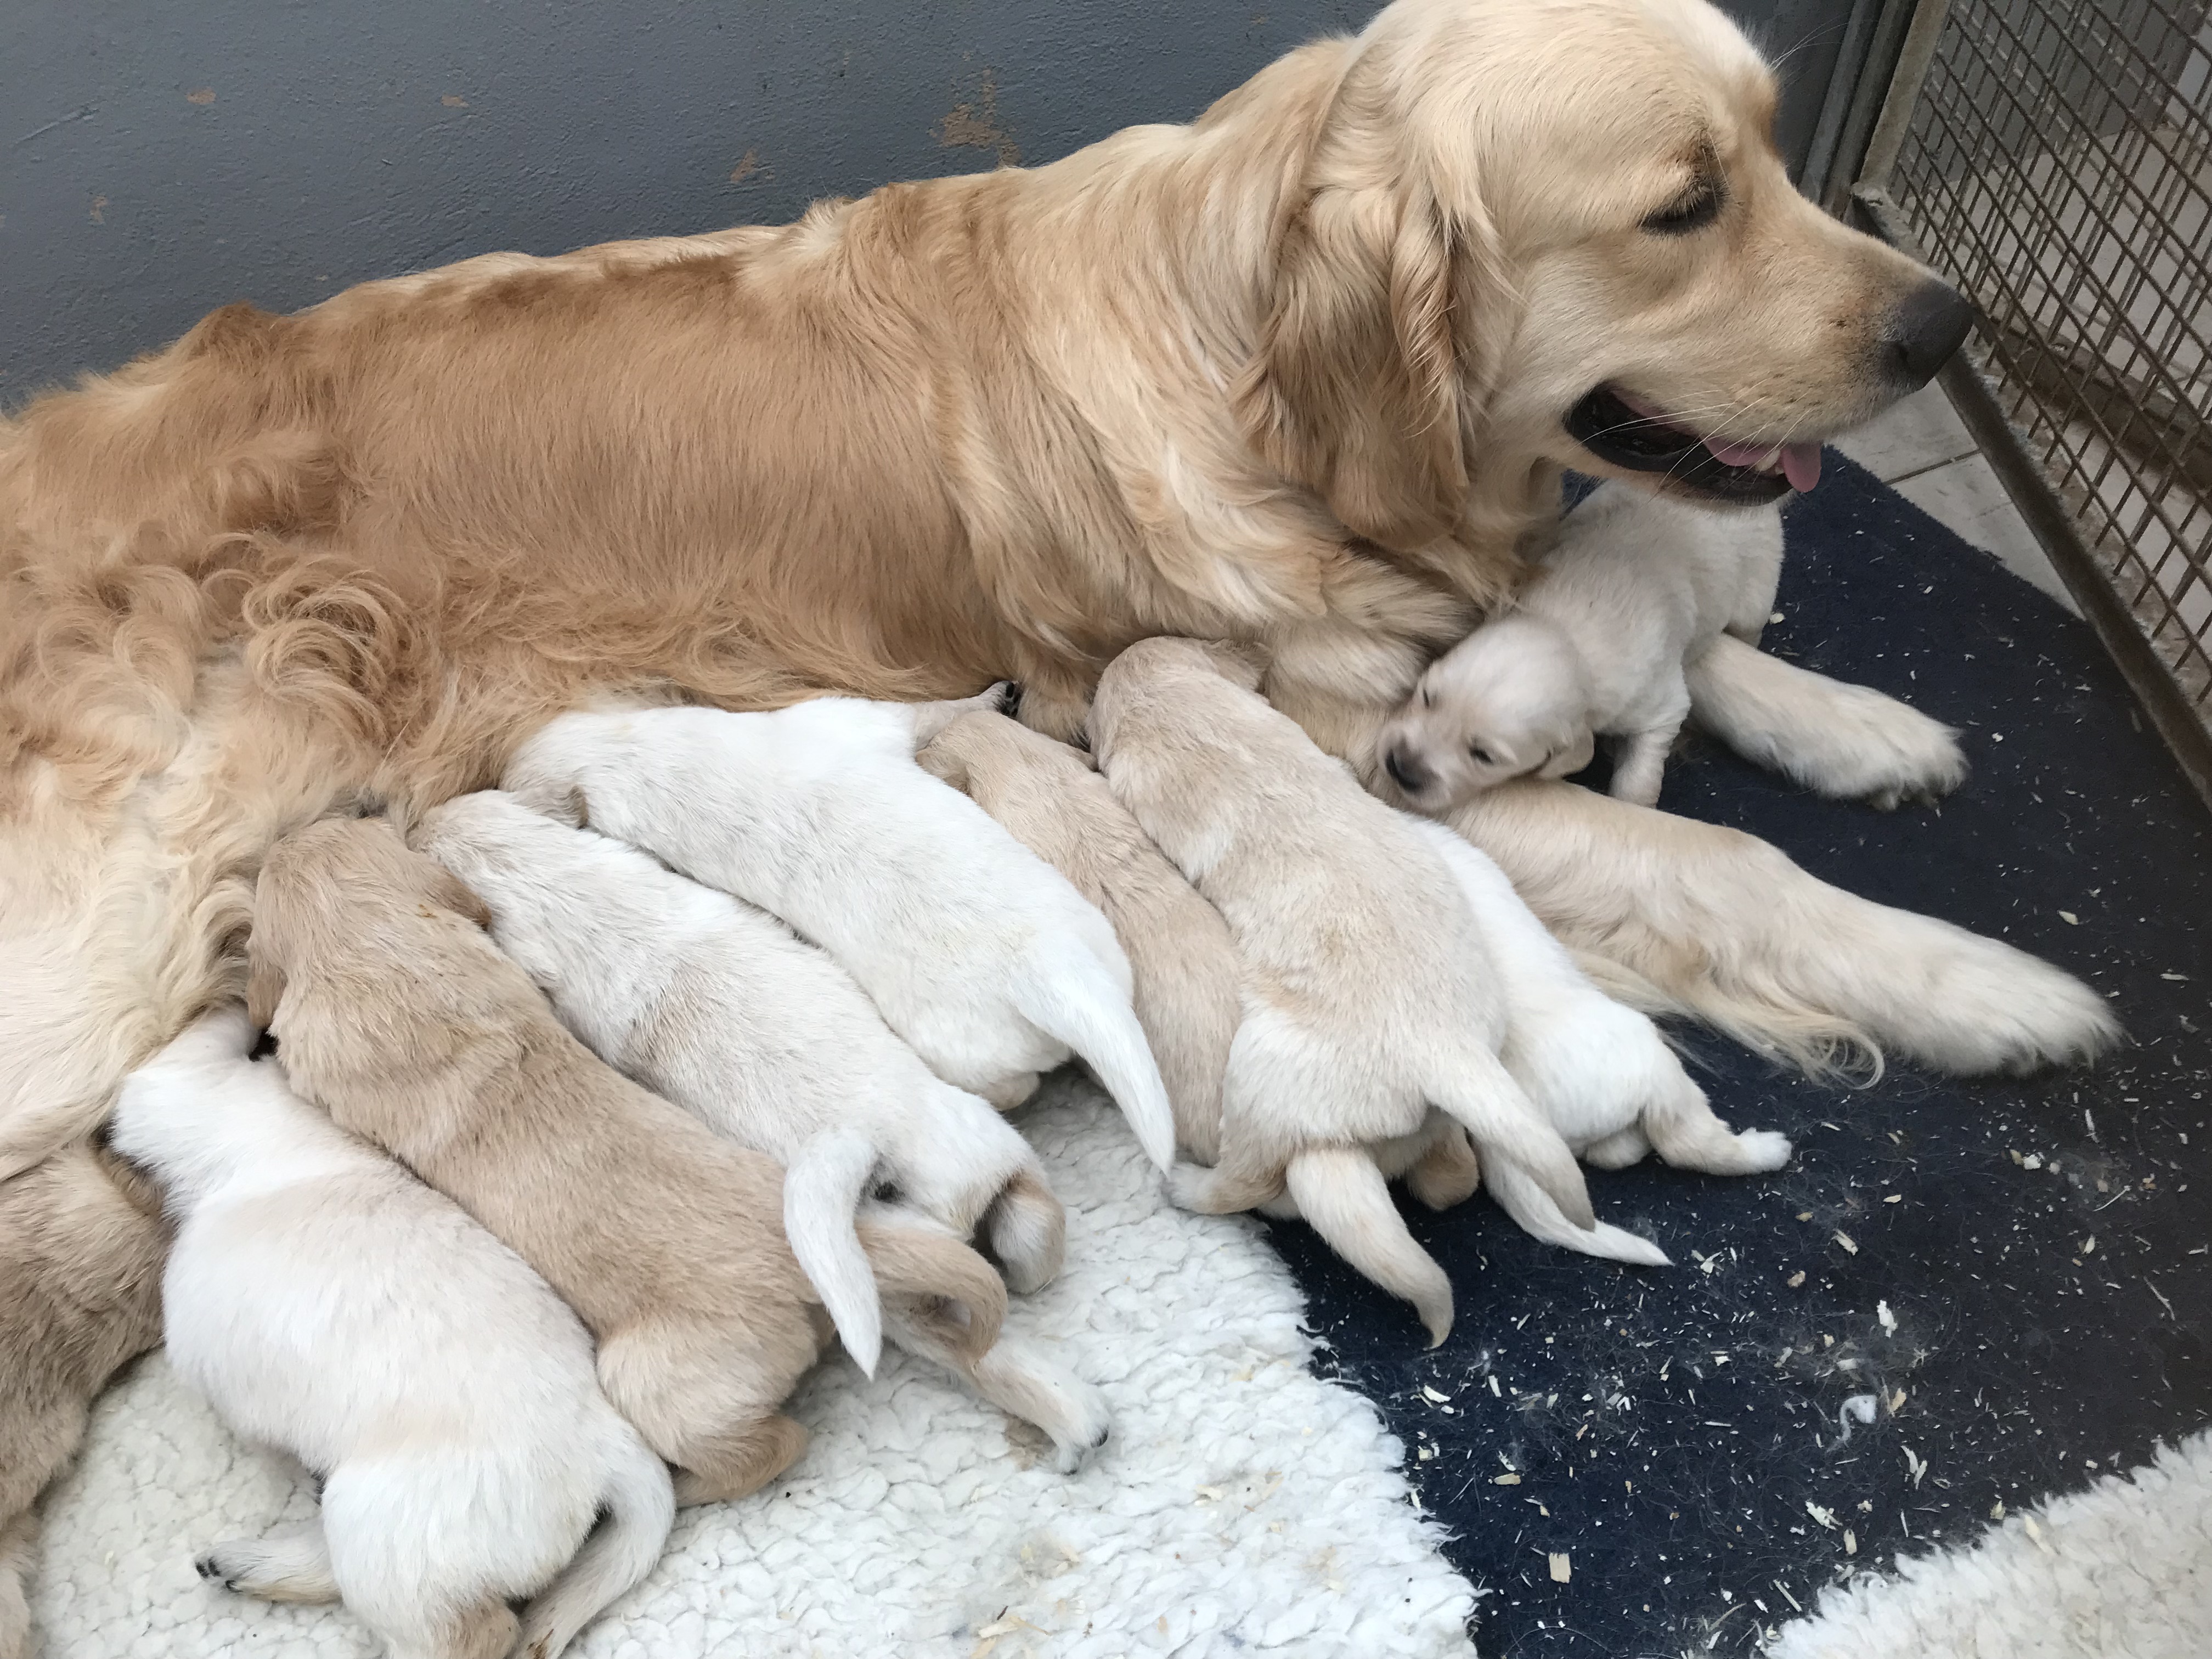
(2122, 1571)
(1242, 1506)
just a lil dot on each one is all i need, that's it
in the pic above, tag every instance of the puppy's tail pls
(1532, 1207)
(1844, 741)
(1510, 1133)
(1343, 1197)
(913, 1260)
(640, 1508)
(1073, 996)
(821, 1190)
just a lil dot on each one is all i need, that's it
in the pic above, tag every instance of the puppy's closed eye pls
(1482, 757)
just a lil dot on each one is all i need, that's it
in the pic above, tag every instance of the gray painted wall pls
(159, 159)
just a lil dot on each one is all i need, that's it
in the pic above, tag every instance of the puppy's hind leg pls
(1642, 765)
(1221, 1190)
(1682, 1126)
(722, 1465)
(1343, 1197)
(1448, 1173)
(1027, 1226)
(1015, 1374)
(292, 1565)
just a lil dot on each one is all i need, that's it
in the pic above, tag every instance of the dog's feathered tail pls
(640, 1508)
(821, 1188)
(1844, 741)
(914, 1259)
(1073, 996)
(1343, 1197)
(1508, 1132)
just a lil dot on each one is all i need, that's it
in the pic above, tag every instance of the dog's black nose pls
(1923, 332)
(1408, 774)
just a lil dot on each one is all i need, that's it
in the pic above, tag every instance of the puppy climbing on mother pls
(1368, 998)
(977, 952)
(331, 1305)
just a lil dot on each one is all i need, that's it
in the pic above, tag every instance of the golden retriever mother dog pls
(1303, 371)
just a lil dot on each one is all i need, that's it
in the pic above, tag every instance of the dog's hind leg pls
(292, 1565)
(1027, 1226)
(1448, 1173)
(1688, 1135)
(1015, 1374)
(720, 1465)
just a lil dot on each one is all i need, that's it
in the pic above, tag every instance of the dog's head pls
(339, 893)
(1512, 700)
(1530, 231)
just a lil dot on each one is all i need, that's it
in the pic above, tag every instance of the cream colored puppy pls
(1599, 1070)
(717, 1007)
(1368, 995)
(399, 1017)
(1637, 587)
(1184, 962)
(976, 950)
(331, 1305)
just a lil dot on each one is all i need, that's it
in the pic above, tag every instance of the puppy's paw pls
(1088, 1427)
(1763, 1150)
(1618, 1151)
(291, 1566)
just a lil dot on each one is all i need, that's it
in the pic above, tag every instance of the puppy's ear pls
(448, 891)
(1241, 662)
(1354, 390)
(1566, 761)
(264, 989)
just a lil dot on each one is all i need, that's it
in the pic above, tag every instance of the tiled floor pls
(1921, 449)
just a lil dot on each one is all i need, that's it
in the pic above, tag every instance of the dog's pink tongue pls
(1800, 465)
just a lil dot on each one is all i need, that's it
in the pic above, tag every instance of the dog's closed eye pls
(1482, 757)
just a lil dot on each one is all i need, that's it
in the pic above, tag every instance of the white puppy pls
(976, 950)
(1637, 587)
(1368, 992)
(331, 1305)
(716, 1006)
(1599, 1070)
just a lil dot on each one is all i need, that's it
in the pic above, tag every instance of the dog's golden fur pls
(1295, 373)
(396, 1014)
(81, 1246)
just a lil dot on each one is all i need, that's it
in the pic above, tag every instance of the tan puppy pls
(1372, 1018)
(81, 1246)
(396, 1013)
(1185, 965)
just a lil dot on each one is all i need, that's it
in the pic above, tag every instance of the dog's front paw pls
(1763, 1150)
(1090, 1427)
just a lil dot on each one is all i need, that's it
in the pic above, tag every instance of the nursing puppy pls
(1367, 992)
(331, 1306)
(975, 949)
(1183, 963)
(80, 1295)
(1597, 643)
(399, 1017)
(1599, 1070)
(717, 1008)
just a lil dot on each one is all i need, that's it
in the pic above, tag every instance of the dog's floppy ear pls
(1241, 662)
(1566, 761)
(1354, 388)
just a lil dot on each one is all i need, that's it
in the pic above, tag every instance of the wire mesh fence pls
(2057, 165)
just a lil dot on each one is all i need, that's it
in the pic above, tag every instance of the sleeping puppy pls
(1637, 587)
(1600, 1071)
(1184, 962)
(716, 1007)
(401, 1020)
(80, 1244)
(1367, 992)
(330, 1305)
(976, 950)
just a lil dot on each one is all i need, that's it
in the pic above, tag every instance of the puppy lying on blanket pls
(80, 1295)
(976, 953)
(1600, 1071)
(1182, 961)
(1648, 611)
(331, 1305)
(399, 1017)
(1368, 993)
(716, 1007)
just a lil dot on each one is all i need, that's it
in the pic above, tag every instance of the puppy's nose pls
(1923, 332)
(1408, 774)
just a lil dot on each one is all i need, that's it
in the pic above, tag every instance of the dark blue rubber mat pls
(2025, 1299)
